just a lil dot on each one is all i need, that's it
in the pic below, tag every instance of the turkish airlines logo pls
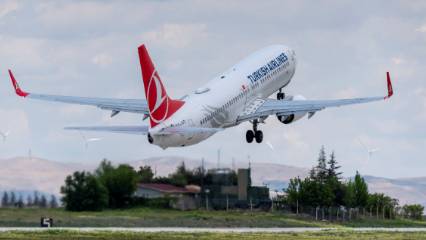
(158, 102)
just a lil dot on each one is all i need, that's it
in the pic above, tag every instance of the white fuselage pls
(219, 103)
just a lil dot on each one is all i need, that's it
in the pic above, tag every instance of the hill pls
(24, 175)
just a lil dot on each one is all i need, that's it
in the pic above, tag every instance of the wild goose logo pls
(158, 102)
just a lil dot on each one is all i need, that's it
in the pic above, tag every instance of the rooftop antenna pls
(88, 140)
(4, 135)
(249, 161)
(370, 151)
(30, 156)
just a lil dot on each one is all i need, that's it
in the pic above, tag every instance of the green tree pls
(36, 201)
(319, 173)
(361, 191)
(414, 211)
(20, 202)
(334, 181)
(12, 201)
(349, 199)
(121, 183)
(43, 201)
(181, 176)
(53, 203)
(5, 200)
(84, 192)
(378, 202)
(29, 202)
(333, 167)
(293, 192)
(145, 174)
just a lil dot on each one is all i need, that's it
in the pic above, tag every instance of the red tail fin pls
(160, 105)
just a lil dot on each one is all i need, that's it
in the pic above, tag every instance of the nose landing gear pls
(254, 134)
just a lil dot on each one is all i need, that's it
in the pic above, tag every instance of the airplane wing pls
(268, 107)
(143, 130)
(115, 105)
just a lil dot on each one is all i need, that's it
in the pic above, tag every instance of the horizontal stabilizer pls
(143, 130)
(138, 130)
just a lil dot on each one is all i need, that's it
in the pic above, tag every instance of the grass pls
(146, 217)
(349, 235)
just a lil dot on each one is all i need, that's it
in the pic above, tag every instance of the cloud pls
(74, 13)
(176, 35)
(15, 121)
(102, 59)
(421, 29)
(8, 7)
(397, 60)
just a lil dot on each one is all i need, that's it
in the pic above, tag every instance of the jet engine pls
(287, 119)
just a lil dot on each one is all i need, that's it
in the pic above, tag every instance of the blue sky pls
(344, 48)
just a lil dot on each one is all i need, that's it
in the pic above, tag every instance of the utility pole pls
(207, 199)
(218, 158)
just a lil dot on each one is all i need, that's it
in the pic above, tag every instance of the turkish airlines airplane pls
(238, 95)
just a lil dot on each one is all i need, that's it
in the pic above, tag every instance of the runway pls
(212, 230)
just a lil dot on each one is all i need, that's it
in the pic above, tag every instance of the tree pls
(29, 202)
(181, 176)
(43, 201)
(120, 182)
(84, 192)
(145, 174)
(12, 200)
(36, 201)
(361, 191)
(20, 202)
(414, 211)
(333, 167)
(293, 192)
(349, 199)
(5, 200)
(53, 203)
(319, 173)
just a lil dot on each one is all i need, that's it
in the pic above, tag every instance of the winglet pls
(18, 90)
(390, 89)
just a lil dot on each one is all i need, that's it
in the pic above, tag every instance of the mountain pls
(407, 190)
(25, 175)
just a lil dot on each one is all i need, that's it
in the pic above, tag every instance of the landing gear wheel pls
(249, 136)
(259, 136)
(280, 96)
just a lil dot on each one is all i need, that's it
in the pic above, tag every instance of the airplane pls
(240, 94)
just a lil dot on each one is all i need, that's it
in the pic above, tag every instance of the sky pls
(344, 48)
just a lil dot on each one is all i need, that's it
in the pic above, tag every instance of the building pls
(226, 189)
(183, 198)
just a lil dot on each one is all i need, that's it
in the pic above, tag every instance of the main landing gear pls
(254, 134)
(280, 95)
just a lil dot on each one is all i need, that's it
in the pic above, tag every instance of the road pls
(217, 230)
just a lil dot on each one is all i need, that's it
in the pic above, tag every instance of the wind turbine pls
(89, 140)
(370, 151)
(4, 135)
(270, 145)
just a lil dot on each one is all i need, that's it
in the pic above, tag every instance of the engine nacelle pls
(287, 119)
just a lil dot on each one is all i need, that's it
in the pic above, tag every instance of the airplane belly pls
(179, 140)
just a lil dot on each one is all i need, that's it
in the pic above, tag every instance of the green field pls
(146, 217)
(187, 236)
